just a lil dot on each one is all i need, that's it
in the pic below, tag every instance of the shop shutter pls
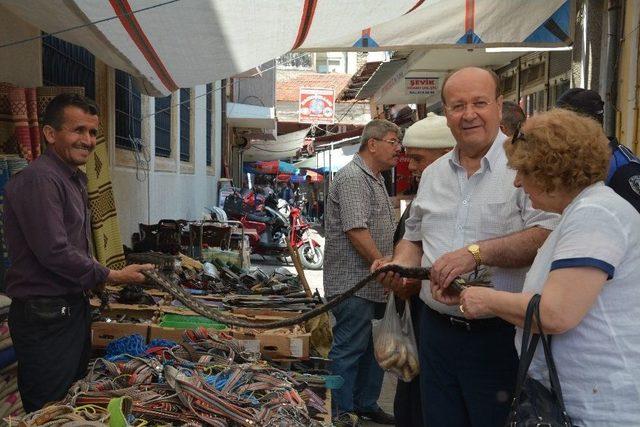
(209, 96)
(185, 123)
(163, 126)
(66, 64)
(128, 111)
(559, 63)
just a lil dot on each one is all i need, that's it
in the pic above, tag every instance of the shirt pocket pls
(498, 218)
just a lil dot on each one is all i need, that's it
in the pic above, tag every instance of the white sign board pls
(421, 85)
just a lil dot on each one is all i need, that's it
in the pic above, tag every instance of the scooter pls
(270, 228)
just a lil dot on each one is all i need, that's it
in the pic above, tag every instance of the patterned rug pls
(7, 134)
(107, 241)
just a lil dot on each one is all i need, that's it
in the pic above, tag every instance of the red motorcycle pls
(271, 225)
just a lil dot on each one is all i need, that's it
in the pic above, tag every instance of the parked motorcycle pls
(271, 224)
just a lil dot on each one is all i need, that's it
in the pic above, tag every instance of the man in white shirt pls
(468, 214)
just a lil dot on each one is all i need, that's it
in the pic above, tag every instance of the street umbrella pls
(297, 179)
(288, 168)
(315, 176)
(275, 167)
(249, 168)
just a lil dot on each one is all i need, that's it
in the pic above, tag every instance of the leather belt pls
(69, 298)
(469, 324)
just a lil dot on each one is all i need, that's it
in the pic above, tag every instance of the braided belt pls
(175, 289)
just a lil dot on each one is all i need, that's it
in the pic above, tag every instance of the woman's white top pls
(598, 362)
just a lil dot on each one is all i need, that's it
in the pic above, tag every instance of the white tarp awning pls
(438, 23)
(334, 159)
(183, 43)
(284, 147)
(391, 88)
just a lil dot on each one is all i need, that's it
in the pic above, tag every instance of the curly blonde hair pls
(561, 150)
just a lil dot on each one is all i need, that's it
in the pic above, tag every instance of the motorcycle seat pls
(258, 217)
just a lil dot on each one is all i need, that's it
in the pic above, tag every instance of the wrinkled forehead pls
(469, 85)
(75, 116)
(391, 135)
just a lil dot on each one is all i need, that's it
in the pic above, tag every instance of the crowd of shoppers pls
(542, 205)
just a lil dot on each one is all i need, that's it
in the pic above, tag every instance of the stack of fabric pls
(10, 403)
(9, 166)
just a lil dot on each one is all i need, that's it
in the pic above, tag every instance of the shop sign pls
(421, 85)
(317, 106)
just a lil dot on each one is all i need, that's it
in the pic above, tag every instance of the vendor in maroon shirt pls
(48, 235)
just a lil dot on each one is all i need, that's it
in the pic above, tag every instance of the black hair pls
(512, 116)
(54, 113)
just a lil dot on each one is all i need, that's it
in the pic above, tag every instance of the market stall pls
(10, 402)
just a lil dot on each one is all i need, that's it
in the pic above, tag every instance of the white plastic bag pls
(394, 342)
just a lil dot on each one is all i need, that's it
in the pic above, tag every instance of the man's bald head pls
(470, 72)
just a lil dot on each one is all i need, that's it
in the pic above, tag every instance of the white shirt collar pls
(496, 151)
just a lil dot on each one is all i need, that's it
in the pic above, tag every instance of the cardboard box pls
(102, 333)
(136, 311)
(274, 345)
(173, 334)
(263, 315)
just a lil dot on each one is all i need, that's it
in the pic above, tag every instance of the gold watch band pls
(475, 251)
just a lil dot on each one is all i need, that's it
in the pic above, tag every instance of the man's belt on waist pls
(469, 324)
(50, 307)
(70, 298)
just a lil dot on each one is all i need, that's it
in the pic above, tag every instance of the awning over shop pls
(284, 147)
(183, 43)
(250, 116)
(440, 23)
(379, 77)
(389, 84)
(329, 160)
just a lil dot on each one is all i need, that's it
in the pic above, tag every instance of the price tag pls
(251, 345)
(295, 345)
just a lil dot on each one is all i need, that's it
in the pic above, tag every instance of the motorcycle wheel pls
(311, 256)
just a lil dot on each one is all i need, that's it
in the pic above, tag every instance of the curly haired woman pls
(587, 271)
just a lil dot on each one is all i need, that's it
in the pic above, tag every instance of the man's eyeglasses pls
(394, 142)
(518, 135)
(476, 106)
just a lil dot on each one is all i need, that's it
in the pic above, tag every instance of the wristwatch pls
(475, 251)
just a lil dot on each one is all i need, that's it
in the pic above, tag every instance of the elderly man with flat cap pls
(425, 142)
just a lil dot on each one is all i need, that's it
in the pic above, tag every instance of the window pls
(128, 111)
(65, 64)
(185, 123)
(334, 65)
(558, 89)
(163, 126)
(209, 96)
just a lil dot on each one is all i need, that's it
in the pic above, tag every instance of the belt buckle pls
(459, 322)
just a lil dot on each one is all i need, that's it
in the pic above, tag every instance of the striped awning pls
(169, 44)
(182, 43)
(463, 23)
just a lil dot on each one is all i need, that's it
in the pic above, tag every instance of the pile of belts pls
(218, 277)
(209, 379)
